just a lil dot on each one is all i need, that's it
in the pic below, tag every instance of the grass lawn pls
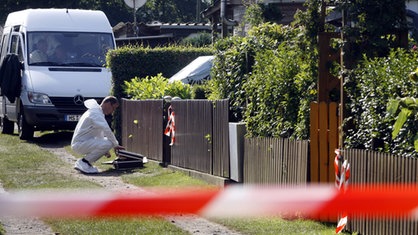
(276, 225)
(143, 225)
(26, 166)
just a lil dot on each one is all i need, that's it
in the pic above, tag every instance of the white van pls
(62, 63)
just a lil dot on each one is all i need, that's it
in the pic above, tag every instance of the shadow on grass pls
(115, 172)
(53, 139)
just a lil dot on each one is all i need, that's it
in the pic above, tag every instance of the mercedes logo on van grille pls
(78, 99)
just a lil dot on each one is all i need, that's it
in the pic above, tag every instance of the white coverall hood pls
(91, 104)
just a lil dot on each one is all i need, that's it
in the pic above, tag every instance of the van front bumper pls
(51, 118)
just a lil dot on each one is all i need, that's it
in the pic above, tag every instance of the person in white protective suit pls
(93, 136)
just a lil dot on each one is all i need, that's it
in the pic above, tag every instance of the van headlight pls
(38, 98)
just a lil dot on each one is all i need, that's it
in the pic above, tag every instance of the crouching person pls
(93, 136)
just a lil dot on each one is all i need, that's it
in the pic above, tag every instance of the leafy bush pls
(274, 92)
(156, 87)
(234, 62)
(404, 108)
(268, 78)
(230, 69)
(200, 40)
(373, 32)
(369, 88)
(200, 91)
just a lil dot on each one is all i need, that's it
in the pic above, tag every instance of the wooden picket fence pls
(275, 161)
(375, 167)
(323, 141)
(202, 142)
(142, 127)
(202, 145)
(201, 134)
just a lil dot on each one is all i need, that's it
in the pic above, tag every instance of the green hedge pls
(278, 95)
(129, 62)
(269, 77)
(369, 88)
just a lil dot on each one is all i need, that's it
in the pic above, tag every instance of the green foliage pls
(272, 12)
(310, 21)
(200, 91)
(145, 225)
(147, 88)
(155, 175)
(172, 11)
(275, 94)
(377, 24)
(370, 89)
(128, 62)
(277, 225)
(259, 13)
(156, 87)
(266, 89)
(403, 108)
(230, 71)
(179, 89)
(253, 15)
(200, 40)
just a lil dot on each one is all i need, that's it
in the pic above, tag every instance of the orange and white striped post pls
(342, 176)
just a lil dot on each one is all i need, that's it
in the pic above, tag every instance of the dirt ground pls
(192, 224)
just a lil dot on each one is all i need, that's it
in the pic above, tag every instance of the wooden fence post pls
(323, 141)
(314, 142)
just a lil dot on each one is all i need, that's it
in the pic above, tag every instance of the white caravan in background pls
(61, 56)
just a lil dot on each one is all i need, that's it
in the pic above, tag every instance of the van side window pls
(20, 53)
(16, 47)
(4, 48)
(14, 44)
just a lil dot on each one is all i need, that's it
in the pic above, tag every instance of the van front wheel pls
(25, 130)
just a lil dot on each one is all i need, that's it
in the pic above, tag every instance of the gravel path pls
(25, 226)
(193, 224)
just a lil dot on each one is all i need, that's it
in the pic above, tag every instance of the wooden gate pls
(324, 141)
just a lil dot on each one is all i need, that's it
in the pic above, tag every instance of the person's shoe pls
(84, 167)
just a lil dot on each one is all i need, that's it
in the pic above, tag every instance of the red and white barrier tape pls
(310, 201)
(342, 170)
(170, 129)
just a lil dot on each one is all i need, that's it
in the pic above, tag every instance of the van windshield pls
(68, 48)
